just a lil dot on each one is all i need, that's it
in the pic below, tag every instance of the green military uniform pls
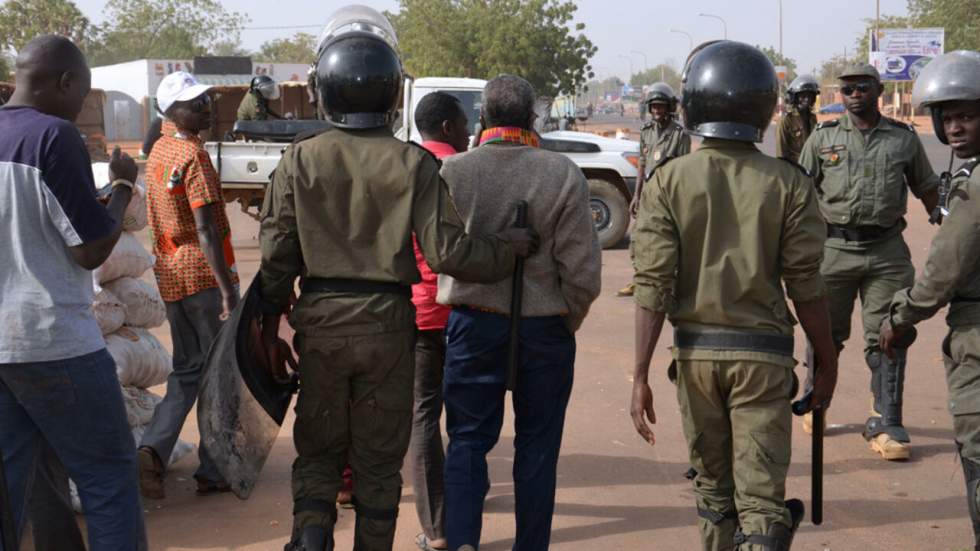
(862, 181)
(754, 224)
(793, 132)
(252, 108)
(658, 143)
(952, 276)
(341, 212)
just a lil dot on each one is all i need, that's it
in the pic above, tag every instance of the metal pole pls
(690, 39)
(780, 28)
(719, 18)
(646, 64)
(630, 59)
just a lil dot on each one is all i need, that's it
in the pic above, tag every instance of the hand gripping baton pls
(802, 406)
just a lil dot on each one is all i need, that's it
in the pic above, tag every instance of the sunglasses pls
(863, 87)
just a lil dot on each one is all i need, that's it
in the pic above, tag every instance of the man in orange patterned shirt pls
(195, 269)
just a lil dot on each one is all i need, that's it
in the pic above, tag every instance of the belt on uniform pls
(858, 233)
(357, 286)
(964, 299)
(732, 340)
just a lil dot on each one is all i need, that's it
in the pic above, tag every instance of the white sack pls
(144, 307)
(140, 404)
(110, 312)
(141, 360)
(128, 259)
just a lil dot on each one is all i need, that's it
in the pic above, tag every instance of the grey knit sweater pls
(563, 277)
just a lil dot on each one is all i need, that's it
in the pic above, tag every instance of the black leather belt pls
(858, 233)
(731, 340)
(358, 286)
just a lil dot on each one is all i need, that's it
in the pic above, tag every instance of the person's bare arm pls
(648, 327)
(211, 244)
(814, 316)
(91, 255)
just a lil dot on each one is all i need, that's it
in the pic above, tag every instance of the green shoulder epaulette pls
(797, 165)
(427, 153)
(968, 167)
(827, 124)
(900, 124)
(659, 164)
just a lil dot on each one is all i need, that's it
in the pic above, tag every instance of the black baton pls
(516, 299)
(801, 407)
(8, 541)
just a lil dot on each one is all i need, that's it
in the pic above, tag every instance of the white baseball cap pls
(179, 86)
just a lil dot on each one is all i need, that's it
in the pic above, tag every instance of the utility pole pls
(690, 39)
(646, 65)
(724, 25)
(780, 28)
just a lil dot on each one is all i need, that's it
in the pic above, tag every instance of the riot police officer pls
(864, 164)
(799, 121)
(950, 87)
(755, 223)
(341, 211)
(255, 104)
(661, 138)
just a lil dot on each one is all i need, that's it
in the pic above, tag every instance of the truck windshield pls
(472, 101)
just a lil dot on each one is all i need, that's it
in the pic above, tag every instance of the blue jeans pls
(76, 407)
(475, 385)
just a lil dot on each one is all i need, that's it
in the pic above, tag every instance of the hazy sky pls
(812, 31)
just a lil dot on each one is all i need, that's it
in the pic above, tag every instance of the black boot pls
(312, 538)
(887, 386)
(971, 473)
(779, 537)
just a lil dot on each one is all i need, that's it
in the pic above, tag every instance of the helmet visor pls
(356, 19)
(269, 90)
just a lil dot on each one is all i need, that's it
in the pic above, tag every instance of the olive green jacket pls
(250, 109)
(718, 235)
(657, 144)
(952, 272)
(865, 181)
(791, 134)
(345, 204)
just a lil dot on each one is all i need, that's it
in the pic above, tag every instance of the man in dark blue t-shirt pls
(58, 385)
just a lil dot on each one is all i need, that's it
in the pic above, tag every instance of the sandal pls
(425, 544)
(210, 487)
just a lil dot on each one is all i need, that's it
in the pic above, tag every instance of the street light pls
(723, 24)
(646, 65)
(690, 39)
(630, 59)
(780, 28)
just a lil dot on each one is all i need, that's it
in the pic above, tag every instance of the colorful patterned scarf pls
(510, 134)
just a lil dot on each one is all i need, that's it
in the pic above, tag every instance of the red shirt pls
(429, 315)
(180, 178)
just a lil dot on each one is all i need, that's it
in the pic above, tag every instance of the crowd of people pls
(405, 258)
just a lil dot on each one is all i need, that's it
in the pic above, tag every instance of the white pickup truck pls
(608, 164)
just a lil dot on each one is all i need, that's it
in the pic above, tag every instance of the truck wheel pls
(610, 213)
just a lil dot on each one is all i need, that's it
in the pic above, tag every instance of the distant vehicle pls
(832, 108)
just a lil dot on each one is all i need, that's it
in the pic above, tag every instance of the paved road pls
(615, 492)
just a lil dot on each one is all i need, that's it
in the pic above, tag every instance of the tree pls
(229, 48)
(22, 20)
(177, 29)
(832, 68)
(886, 22)
(660, 73)
(481, 39)
(960, 18)
(779, 59)
(298, 49)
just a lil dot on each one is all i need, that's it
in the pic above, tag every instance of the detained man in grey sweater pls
(560, 283)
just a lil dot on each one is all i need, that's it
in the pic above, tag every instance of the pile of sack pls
(126, 307)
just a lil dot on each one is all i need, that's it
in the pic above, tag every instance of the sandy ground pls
(615, 491)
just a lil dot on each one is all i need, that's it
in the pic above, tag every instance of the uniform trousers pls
(475, 387)
(961, 355)
(737, 422)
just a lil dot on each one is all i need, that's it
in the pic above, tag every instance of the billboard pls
(900, 54)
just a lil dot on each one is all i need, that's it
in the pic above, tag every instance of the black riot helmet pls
(729, 91)
(264, 86)
(800, 85)
(358, 72)
(954, 76)
(661, 92)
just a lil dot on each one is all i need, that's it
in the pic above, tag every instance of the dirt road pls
(616, 492)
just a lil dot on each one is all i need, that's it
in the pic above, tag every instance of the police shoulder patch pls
(828, 124)
(900, 124)
(659, 164)
(797, 165)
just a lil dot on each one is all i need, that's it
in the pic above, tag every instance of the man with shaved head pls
(58, 386)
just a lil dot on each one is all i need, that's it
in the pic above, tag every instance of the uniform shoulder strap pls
(968, 167)
(827, 124)
(425, 153)
(900, 124)
(659, 164)
(303, 136)
(800, 167)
